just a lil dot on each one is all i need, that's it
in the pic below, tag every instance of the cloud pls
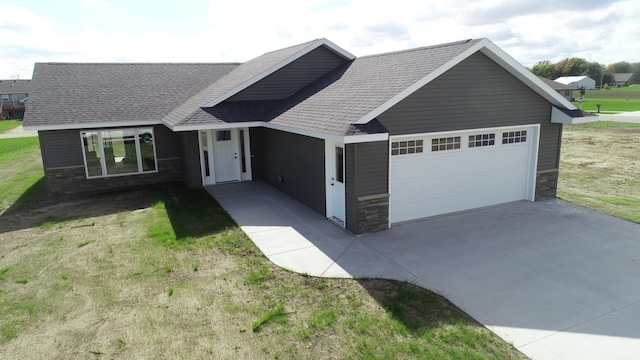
(240, 30)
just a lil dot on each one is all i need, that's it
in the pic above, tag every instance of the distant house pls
(12, 96)
(562, 89)
(576, 82)
(366, 141)
(620, 79)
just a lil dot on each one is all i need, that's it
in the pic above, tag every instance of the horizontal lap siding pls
(367, 173)
(476, 93)
(167, 142)
(190, 156)
(299, 160)
(61, 148)
(292, 77)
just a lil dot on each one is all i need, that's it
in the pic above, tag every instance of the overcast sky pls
(605, 31)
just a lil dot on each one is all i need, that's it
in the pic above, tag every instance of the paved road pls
(633, 117)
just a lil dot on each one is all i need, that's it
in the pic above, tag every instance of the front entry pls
(224, 156)
(335, 180)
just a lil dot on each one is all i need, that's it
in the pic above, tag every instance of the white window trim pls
(103, 164)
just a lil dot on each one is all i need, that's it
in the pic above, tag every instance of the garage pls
(439, 173)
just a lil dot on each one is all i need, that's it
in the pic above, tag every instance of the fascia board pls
(237, 125)
(73, 126)
(558, 117)
(312, 46)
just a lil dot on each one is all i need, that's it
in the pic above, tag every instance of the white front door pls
(226, 155)
(335, 191)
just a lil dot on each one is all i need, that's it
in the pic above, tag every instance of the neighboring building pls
(562, 89)
(620, 79)
(12, 96)
(576, 82)
(367, 142)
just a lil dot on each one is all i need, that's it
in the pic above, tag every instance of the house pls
(366, 141)
(620, 79)
(565, 90)
(577, 82)
(12, 96)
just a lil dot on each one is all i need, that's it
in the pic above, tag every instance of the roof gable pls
(246, 75)
(494, 53)
(257, 69)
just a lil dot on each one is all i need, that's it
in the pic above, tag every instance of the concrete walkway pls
(557, 280)
(18, 132)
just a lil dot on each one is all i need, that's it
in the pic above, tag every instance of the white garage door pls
(441, 173)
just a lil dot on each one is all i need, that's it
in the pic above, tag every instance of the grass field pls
(614, 100)
(165, 273)
(6, 125)
(21, 175)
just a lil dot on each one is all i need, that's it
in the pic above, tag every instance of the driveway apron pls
(558, 281)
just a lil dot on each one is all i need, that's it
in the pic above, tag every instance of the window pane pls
(339, 164)
(147, 154)
(91, 146)
(120, 153)
(223, 135)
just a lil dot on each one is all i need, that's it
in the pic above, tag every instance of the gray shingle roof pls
(14, 86)
(84, 94)
(331, 104)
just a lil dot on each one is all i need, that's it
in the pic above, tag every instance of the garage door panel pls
(441, 182)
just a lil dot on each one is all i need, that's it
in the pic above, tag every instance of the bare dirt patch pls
(600, 168)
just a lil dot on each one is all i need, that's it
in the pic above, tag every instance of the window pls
(482, 140)
(406, 147)
(118, 152)
(339, 151)
(446, 143)
(223, 135)
(514, 137)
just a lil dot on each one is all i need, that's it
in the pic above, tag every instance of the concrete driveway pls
(556, 280)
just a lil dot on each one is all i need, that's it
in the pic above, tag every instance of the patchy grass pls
(165, 272)
(600, 168)
(6, 125)
(138, 294)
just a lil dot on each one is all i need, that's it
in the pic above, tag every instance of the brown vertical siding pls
(476, 93)
(292, 77)
(299, 162)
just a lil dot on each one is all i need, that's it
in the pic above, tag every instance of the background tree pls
(619, 67)
(545, 69)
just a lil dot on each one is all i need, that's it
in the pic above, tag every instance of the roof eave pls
(100, 125)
